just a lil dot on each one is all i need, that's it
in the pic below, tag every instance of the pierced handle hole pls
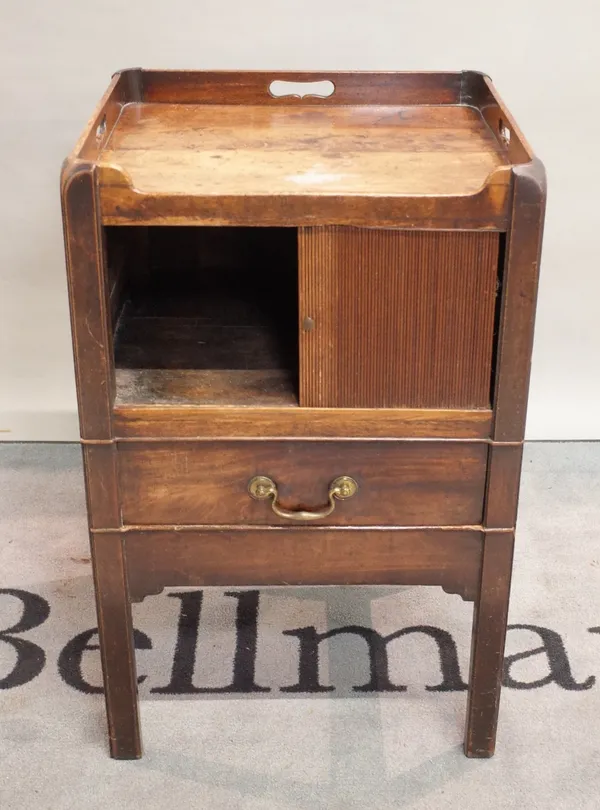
(280, 89)
(504, 132)
(101, 129)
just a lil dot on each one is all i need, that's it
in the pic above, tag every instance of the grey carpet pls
(276, 749)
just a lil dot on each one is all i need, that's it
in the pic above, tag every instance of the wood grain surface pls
(517, 319)
(251, 87)
(401, 318)
(90, 301)
(200, 388)
(400, 483)
(490, 618)
(414, 330)
(303, 556)
(135, 418)
(117, 648)
(438, 109)
(502, 489)
(333, 150)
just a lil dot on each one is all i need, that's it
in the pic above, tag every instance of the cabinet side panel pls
(400, 318)
(517, 319)
(89, 305)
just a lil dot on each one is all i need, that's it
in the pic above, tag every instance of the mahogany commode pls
(302, 328)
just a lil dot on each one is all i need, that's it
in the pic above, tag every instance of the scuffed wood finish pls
(260, 388)
(521, 274)
(92, 342)
(303, 556)
(101, 485)
(387, 239)
(250, 87)
(401, 319)
(487, 654)
(288, 164)
(134, 420)
(400, 483)
(502, 489)
(370, 151)
(484, 210)
(281, 149)
(124, 88)
(438, 107)
(478, 91)
(116, 645)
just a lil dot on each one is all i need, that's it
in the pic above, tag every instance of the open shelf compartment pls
(204, 315)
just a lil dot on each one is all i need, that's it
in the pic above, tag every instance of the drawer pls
(399, 483)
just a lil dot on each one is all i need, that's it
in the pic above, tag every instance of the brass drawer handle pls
(261, 488)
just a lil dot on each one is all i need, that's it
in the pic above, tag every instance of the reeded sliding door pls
(396, 318)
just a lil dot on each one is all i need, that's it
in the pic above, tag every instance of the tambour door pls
(396, 318)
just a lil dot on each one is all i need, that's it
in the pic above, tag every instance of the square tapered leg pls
(487, 652)
(116, 645)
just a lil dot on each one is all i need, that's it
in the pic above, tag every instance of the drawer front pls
(400, 483)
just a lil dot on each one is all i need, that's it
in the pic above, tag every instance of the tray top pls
(295, 149)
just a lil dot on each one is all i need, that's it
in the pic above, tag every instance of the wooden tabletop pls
(295, 150)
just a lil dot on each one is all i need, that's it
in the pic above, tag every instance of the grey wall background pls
(56, 58)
